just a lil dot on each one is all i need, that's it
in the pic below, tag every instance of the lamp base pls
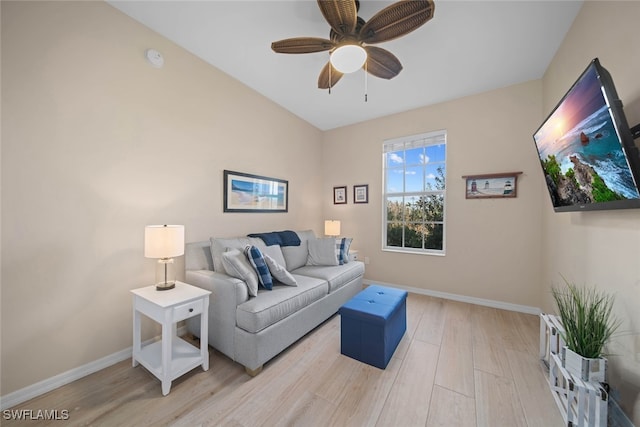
(165, 286)
(165, 274)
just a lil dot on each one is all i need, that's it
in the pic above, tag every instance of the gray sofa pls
(253, 330)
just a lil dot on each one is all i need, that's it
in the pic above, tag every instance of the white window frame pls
(409, 142)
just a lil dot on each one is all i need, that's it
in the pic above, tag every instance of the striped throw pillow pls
(342, 249)
(256, 259)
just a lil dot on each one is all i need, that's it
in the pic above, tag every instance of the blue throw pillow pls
(339, 250)
(342, 249)
(256, 259)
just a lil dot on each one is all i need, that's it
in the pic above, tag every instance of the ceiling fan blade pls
(302, 45)
(326, 79)
(342, 15)
(396, 20)
(382, 63)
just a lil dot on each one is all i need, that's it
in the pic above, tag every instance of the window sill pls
(413, 251)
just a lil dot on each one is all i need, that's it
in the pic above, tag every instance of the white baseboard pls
(42, 387)
(19, 396)
(471, 300)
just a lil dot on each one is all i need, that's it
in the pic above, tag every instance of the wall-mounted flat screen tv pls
(586, 149)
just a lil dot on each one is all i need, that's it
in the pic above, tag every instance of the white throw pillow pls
(279, 272)
(220, 245)
(237, 265)
(322, 252)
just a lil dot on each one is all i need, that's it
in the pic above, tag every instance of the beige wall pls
(96, 144)
(601, 248)
(493, 246)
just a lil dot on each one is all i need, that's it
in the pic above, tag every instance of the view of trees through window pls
(415, 171)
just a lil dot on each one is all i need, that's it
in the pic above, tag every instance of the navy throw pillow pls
(256, 259)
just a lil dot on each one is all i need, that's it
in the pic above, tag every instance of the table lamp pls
(164, 242)
(332, 228)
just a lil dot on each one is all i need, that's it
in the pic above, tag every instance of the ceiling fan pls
(350, 38)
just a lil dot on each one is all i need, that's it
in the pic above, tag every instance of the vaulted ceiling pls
(468, 47)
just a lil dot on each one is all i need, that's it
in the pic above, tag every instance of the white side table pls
(172, 356)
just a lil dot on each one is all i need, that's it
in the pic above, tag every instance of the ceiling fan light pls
(348, 58)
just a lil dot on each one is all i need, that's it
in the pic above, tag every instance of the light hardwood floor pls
(457, 365)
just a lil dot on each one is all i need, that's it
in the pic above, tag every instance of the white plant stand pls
(581, 403)
(551, 342)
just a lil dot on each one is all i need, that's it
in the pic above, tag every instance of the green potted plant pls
(588, 321)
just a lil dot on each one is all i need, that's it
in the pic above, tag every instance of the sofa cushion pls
(274, 252)
(279, 273)
(197, 256)
(323, 252)
(337, 276)
(220, 245)
(273, 306)
(237, 265)
(296, 256)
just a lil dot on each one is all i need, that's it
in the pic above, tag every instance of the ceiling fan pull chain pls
(366, 89)
(330, 67)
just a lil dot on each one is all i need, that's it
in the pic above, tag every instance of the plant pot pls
(584, 368)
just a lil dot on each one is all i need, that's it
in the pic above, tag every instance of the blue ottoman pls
(372, 324)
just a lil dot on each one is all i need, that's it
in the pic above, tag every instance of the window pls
(414, 193)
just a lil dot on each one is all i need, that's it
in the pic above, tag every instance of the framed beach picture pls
(244, 192)
(361, 193)
(492, 186)
(339, 195)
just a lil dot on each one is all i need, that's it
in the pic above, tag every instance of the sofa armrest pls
(226, 293)
(233, 290)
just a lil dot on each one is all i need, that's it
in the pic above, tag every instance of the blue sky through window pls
(412, 169)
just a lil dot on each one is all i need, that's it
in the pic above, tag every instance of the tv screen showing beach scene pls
(581, 149)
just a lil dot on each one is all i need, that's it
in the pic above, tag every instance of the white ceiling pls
(468, 47)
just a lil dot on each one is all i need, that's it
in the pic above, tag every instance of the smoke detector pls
(154, 57)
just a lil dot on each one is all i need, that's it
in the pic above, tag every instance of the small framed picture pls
(339, 195)
(361, 193)
(492, 186)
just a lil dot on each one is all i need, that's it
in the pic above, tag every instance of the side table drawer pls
(187, 310)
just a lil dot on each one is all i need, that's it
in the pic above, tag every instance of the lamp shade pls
(332, 227)
(163, 241)
(348, 58)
